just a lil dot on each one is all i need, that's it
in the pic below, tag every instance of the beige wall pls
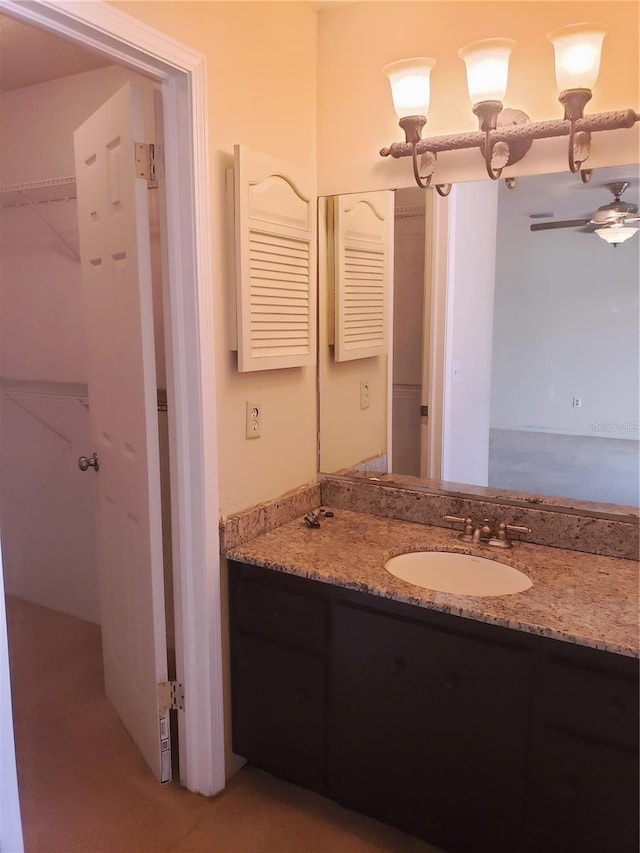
(270, 65)
(355, 113)
(261, 61)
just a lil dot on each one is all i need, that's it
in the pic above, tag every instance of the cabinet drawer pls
(591, 703)
(280, 615)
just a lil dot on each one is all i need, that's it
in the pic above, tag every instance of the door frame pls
(191, 384)
(434, 379)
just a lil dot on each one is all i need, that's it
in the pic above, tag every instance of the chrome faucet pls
(486, 532)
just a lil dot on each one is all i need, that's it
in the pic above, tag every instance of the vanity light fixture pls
(504, 135)
(487, 72)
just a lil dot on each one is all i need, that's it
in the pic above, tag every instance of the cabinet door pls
(476, 723)
(376, 715)
(584, 760)
(584, 796)
(278, 709)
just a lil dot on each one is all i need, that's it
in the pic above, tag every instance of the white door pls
(116, 270)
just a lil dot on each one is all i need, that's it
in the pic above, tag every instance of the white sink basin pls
(459, 574)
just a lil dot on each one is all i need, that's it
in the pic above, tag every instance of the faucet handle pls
(467, 523)
(501, 540)
(516, 528)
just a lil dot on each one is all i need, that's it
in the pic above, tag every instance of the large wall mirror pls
(522, 378)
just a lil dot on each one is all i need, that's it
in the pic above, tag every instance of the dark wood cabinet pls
(422, 722)
(278, 673)
(278, 705)
(377, 715)
(584, 759)
(474, 737)
(477, 719)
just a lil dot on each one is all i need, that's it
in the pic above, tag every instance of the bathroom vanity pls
(479, 724)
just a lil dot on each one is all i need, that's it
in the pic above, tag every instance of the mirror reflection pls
(532, 357)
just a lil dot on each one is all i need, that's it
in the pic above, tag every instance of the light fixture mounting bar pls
(615, 120)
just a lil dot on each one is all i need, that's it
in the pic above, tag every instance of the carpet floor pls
(84, 788)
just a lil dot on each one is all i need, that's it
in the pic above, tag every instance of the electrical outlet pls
(253, 420)
(577, 402)
(364, 395)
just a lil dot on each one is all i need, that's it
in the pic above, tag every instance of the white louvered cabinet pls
(361, 263)
(275, 263)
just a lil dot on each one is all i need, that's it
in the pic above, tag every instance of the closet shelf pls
(38, 192)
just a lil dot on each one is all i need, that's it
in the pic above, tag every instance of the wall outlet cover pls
(364, 395)
(253, 420)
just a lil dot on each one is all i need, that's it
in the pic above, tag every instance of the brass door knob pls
(86, 462)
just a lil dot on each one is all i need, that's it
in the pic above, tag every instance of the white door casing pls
(113, 220)
(431, 294)
(191, 382)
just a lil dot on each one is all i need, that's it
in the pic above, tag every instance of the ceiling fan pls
(615, 222)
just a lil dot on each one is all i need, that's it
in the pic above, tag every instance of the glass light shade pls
(487, 68)
(410, 85)
(616, 234)
(577, 49)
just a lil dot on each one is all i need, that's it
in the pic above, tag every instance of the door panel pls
(113, 221)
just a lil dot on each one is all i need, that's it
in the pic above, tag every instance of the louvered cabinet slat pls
(275, 263)
(362, 258)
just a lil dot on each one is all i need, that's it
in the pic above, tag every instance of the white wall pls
(566, 325)
(47, 506)
(470, 285)
(46, 113)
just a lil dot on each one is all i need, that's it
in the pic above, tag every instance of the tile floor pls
(85, 789)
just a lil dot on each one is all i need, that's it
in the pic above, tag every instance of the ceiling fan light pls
(616, 234)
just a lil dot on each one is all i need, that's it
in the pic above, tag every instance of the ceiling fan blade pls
(561, 223)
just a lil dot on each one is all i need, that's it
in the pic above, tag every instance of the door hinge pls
(145, 155)
(424, 411)
(170, 696)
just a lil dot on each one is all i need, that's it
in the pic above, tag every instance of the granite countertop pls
(576, 597)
